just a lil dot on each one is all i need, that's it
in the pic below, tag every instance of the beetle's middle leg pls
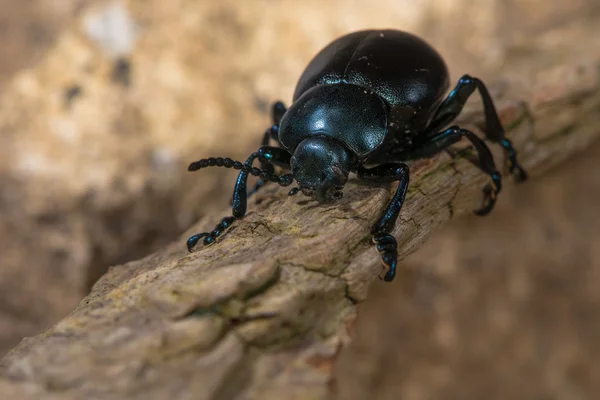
(442, 140)
(494, 131)
(277, 111)
(381, 231)
(265, 154)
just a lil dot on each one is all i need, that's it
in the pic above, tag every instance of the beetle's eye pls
(294, 191)
(338, 194)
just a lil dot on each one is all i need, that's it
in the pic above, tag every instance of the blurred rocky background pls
(103, 104)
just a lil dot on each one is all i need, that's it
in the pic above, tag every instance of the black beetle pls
(374, 97)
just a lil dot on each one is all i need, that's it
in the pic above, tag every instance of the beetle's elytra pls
(374, 97)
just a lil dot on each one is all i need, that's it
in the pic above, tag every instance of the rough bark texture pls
(263, 313)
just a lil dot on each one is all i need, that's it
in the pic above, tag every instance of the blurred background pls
(103, 104)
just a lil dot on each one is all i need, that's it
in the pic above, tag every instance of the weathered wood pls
(263, 313)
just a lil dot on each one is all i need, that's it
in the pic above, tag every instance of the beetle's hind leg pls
(494, 131)
(265, 154)
(277, 111)
(452, 135)
(381, 231)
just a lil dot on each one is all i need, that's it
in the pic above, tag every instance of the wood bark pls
(263, 313)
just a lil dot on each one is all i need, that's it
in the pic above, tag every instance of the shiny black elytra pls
(375, 98)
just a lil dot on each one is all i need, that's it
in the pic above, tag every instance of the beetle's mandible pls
(377, 98)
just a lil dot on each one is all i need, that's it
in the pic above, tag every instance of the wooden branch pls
(263, 313)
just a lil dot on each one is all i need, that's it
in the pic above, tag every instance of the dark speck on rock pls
(122, 72)
(71, 93)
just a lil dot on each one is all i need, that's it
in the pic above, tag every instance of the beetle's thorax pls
(350, 114)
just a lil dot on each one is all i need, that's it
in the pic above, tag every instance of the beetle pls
(366, 103)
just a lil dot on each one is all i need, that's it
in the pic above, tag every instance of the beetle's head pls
(321, 166)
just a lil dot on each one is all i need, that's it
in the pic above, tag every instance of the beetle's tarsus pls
(388, 251)
(490, 194)
(193, 240)
(210, 237)
(519, 174)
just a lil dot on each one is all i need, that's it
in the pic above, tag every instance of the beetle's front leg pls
(265, 154)
(381, 231)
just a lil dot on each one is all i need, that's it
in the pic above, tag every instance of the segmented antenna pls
(283, 180)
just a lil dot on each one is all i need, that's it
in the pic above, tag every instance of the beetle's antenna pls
(283, 180)
(215, 162)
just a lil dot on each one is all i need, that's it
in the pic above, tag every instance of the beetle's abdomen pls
(351, 114)
(401, 68)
